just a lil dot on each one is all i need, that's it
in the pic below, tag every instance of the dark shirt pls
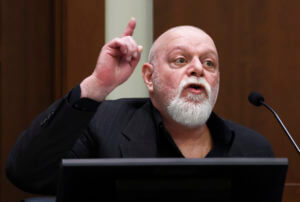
(220, 133)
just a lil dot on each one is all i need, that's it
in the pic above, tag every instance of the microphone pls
(257, 99)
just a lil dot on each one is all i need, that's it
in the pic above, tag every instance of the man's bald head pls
(178, 31)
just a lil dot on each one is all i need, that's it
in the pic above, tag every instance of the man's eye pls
(209, 63)
(180, 60)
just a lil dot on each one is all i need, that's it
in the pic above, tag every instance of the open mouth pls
(195, 88)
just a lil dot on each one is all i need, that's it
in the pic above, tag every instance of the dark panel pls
(58, 48)
(47, 47)
(83, 37)
(79, 36)
(26, 79)
(258, 43)
(291, 192)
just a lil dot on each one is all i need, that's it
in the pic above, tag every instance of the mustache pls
(195, 81)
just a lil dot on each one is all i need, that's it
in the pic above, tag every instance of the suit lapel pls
(140, 138)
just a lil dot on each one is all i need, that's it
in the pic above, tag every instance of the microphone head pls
(255, 98)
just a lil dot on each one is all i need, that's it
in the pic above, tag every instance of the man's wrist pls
(91, 89)
(82, 104)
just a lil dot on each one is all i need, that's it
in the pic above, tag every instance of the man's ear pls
(147, 71)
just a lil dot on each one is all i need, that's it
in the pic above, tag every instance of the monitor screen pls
(150, 179)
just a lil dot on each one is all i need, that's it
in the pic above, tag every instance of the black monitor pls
(152, 179)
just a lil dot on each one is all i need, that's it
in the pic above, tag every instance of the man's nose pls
(195, 68)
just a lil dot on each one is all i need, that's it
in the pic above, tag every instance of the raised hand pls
(116, 62)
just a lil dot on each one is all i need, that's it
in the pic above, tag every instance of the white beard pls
(188, 113)
(192, 110)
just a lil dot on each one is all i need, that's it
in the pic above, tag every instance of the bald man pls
(182, 77)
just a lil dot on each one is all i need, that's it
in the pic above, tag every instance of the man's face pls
(186, 75)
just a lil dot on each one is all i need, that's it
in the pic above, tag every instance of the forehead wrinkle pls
(207, 50)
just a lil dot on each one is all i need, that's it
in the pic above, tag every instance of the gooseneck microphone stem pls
(281, 124)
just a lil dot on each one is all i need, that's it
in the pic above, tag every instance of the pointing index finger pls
(130, 28)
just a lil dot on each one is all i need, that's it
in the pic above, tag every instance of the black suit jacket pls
(120, 128)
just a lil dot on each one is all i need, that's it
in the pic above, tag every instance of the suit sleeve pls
(33, 163)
